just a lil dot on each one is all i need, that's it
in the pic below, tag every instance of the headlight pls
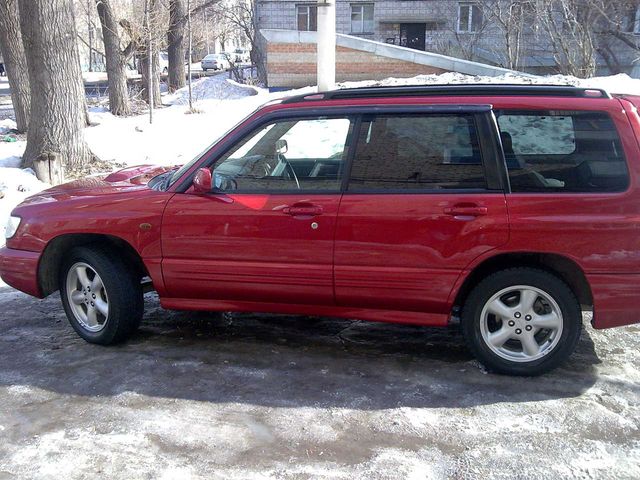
(12, 226)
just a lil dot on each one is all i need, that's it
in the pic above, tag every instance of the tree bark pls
(176, 48)
(55, 136)
(15, 62)
(150, 36)
(116, 62)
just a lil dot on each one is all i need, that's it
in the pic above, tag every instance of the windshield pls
(185, 168)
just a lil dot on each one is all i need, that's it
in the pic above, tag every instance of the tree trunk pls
(55, 136)
(144, 67)
(175, 49)
(116, 63)
(15, 62)
(150, 37)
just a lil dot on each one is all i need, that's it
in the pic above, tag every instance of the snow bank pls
(621, 83)
(218, 87)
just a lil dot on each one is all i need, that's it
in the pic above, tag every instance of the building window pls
(469, 17)
(307, 18)
(362, 18)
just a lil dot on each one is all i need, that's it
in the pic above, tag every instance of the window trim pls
(309, 7)
(469, 19)
(361, 6)
(493, 165)
(227, 142)
(353, 119)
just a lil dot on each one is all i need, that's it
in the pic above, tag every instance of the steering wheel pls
(288, 168)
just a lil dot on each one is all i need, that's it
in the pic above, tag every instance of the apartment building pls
(463, 29)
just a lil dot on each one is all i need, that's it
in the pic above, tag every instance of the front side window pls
(291, 155)
(362, 18)
(562, 151)
(307, 16)
(417, 152)
(470, 18)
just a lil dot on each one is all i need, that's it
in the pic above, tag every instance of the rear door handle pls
(310, 210)
(466, 210)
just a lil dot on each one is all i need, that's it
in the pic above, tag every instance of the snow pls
(176, 135)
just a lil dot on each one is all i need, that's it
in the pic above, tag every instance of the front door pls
(418, 209)
(265, 231)
(413, 35)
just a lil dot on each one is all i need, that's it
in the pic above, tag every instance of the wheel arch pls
(54, 254)
(563, 267)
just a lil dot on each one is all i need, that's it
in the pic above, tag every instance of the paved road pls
(266, 396)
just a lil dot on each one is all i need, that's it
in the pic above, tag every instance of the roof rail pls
(490, 89)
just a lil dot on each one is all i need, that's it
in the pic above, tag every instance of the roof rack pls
(490, 89)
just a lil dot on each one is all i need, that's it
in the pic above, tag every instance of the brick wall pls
(294, 65)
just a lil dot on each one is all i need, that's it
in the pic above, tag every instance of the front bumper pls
(616, 299)
(19, 268)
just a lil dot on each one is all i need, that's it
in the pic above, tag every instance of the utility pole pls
(190, 49)
(150, 59)
(326, 45)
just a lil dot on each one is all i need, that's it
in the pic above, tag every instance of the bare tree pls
(116, 58)
(148, 52)
(619, 25)
(176, 48)
(570, 26)
(15, 62)
(512, 18)
(58, 116)
(242, 15)
(175, 44)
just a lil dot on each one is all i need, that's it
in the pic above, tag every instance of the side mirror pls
(202, 181)
(281, 147)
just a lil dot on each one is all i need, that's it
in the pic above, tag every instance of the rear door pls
(425, 197)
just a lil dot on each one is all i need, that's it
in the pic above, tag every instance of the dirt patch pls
(265, 396)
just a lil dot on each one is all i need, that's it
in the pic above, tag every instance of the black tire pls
(121, 288)
(544, 281)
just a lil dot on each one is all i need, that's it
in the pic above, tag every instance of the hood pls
(125, 180)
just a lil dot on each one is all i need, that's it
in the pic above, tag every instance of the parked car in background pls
(241, 55)
(503, 210)
(215, 61)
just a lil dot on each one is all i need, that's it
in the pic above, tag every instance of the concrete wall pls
(291, 60)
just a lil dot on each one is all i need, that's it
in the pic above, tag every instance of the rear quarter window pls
(562, 151)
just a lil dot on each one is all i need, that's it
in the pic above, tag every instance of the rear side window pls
(562, 151)
(417, 152)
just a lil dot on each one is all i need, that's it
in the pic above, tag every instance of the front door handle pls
(466, 210)
(300, 210)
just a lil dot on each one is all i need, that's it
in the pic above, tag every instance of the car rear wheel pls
(101, 296)
(522, 321)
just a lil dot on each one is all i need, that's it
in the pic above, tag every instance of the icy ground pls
(195, 396)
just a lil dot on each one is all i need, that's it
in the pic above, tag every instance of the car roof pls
(451, 90)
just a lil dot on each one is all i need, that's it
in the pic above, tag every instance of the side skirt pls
(389, 316)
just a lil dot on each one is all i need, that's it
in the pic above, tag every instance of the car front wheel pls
(101, 296)
(522, 321)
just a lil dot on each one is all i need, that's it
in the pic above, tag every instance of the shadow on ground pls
(268, 360)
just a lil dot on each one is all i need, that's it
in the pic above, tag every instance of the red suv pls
(509, 210)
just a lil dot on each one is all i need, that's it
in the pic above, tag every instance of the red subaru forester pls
(509, 210)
